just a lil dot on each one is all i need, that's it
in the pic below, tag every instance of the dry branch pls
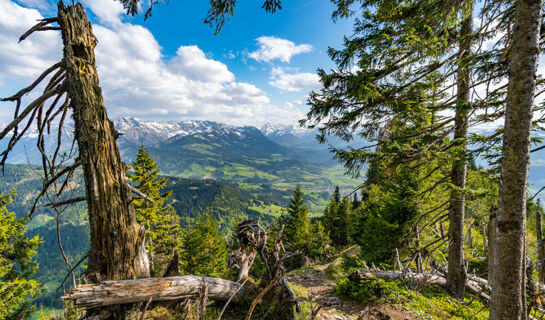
(30, 107)
(41, 26)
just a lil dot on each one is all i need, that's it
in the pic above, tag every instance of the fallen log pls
(428, 278)
(109, 293)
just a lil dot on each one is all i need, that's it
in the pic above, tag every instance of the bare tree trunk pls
(491, 240)
(540, 246)
(508, 290)
(456, 276)
(485, 238)
(117, 250)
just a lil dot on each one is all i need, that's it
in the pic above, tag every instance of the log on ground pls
(109, 293)
(436, 279)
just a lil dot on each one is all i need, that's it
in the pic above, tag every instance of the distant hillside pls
(227, 203)
(245, 156)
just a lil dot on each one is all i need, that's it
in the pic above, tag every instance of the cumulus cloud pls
(136, 78)
(107, 11)
(294, 82)
(24, 61)
(273, 48)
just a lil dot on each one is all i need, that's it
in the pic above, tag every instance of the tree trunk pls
(492, 224)
(540, 247)
(117, 250)
(456, 275)
(485, 238)
(109, 293)
(508, 290)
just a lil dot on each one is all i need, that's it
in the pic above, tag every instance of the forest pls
(434, 217)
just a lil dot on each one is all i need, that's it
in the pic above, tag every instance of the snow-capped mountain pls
(166, 138)
(149, 132)
(270, 129)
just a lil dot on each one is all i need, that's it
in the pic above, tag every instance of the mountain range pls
(266, 160)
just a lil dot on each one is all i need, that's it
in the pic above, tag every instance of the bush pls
(367, 289)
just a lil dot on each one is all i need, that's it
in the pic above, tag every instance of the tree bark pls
(540, 246)
(508, 290)
(110, 293)
(456, 275)
(492, 224)
(117, 250)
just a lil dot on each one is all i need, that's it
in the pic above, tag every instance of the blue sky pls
(259, 69)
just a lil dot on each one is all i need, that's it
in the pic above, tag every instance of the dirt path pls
(314, 285)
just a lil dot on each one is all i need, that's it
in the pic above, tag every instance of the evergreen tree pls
(163, 235)
(385, 221)
(297, 222)
(356, 203)
(336, 217)
(320, 242)
(204, 249)
(17, 266)
(310, 239)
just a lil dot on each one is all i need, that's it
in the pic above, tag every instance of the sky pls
(258, 70)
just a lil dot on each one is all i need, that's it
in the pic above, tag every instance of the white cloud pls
(107, 11)
(24, 61)
(271, 48)
(293, 82)
(191, 61)
(136, 79)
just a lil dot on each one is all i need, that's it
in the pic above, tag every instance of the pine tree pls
(204, 249)
(17, 265)
(508, 300)
(320, 242)
(356, 203)
(310, 239)
(163, 235)
(336, 217)
(297, 221)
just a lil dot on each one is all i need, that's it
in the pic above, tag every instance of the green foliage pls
(297, 222)
(336, 219)
(204, 249)
(384, 221)
(159, 218)
(429, 302)
(17, 265)
(367, 289)
(226, 202)
(310, 239)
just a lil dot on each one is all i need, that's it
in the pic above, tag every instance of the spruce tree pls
(204, 249)
(336, 217)
(297, 220)
(18, 282)
(163, 233)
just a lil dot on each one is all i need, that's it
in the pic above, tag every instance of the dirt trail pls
(321, 291)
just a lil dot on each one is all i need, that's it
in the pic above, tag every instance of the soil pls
(321, 292)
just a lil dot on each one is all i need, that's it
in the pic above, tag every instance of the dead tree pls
(273, 292)
(117, 250)
(252, 239)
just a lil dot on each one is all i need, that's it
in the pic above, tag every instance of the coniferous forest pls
(406, 185)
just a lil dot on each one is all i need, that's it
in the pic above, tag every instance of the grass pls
(39, 220)
(272, 209)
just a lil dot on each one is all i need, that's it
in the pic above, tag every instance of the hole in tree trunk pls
(79, 51)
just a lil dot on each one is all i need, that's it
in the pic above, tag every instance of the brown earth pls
(320, 290)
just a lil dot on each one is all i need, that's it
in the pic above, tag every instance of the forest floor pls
(315, 287)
